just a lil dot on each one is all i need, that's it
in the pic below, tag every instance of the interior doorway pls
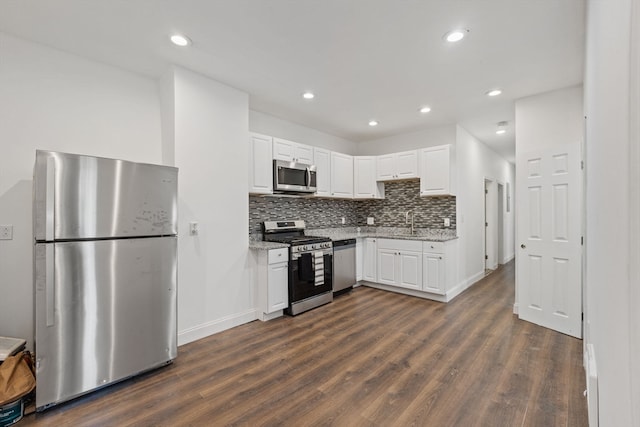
(490, 226)
(501, 210)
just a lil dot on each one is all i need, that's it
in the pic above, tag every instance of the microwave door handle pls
(308, 177)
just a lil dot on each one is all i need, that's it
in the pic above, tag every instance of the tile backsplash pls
(403, 196)
(400, 197)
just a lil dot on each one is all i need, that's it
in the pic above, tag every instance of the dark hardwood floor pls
(370, 358)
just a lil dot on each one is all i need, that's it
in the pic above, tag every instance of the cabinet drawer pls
(278, 255)
(400, 245)
(433, 247)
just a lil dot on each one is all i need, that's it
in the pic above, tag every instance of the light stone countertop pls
(423, 234)
(265, 246)
(343, 233)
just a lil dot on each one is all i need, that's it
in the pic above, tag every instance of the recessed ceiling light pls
(502, 128)
(494, 92)
(455, 35)
(373, 123)
(308, 95)
(180, 40)
(425, 109)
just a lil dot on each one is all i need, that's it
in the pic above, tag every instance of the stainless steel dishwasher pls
(344, 265)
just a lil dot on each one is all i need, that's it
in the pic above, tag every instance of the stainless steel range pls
(310, 265)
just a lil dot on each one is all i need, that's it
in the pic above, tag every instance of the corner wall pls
(608, 289)
(57, 101)
(211, 151)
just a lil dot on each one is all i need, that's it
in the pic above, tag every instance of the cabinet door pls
(433, 270)
(369, 272)
(387, 266)
(385, 167)
(359, 255)
(341, 175)
(407, 165)
(303, 154)
(323, 168)
(261, 165)
(283, 149)
(277, 293)
(435, 171)
(410, 270)
(364, 177)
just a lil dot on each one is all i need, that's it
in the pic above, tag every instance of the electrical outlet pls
(344, 220)
(6, 232)
(370, 220)
(447, 222)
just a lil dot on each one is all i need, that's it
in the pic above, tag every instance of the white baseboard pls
(508, 258)
(515, 308)
(592, 385)
(213, 327)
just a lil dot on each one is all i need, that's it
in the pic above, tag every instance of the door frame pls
(490, 234)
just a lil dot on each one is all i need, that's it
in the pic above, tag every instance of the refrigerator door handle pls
(50, 199)
(50, 285)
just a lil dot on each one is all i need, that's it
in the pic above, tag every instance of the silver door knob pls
(523, 246)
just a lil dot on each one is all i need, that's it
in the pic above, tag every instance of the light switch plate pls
(369, 220)
(193, 228)
(6, 232)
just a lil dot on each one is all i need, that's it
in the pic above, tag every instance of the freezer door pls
(84, 197)
(105, 310)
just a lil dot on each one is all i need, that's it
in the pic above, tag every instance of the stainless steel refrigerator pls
(105, 272)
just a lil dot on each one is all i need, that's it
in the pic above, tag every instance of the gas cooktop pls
(290, 232)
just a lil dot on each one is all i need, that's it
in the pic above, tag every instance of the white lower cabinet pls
(420, 268)
(369, 255)
(271, 277)
(400, 263)
(433, 273)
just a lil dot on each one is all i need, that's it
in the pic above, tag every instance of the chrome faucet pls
(408, 219)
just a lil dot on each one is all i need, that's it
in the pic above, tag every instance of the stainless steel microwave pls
(293, 177)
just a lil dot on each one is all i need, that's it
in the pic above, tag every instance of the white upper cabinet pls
(292, 151)
(364, 179)
(322, 159)
(437, 171)
(260, 164)
(341, 175)
(402, 165)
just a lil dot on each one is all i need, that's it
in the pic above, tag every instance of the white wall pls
(273, 126)
(439, 135)
(211, 151)
(608, 288)
(548, 119)
(475, 162)
(56, 101)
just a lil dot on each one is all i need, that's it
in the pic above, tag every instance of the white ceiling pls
(364, 59)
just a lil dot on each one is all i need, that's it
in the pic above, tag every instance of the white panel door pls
(407, 164)
(387, 267)
(278, 297)
(549, 262)
(435, 171)
(303, 154)
(385, 167)
(261, 164)
(341, 175)
(410, 270)
(283, 149)
(433, 273)
(369, 269)
(364, 177)
(323, 171)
